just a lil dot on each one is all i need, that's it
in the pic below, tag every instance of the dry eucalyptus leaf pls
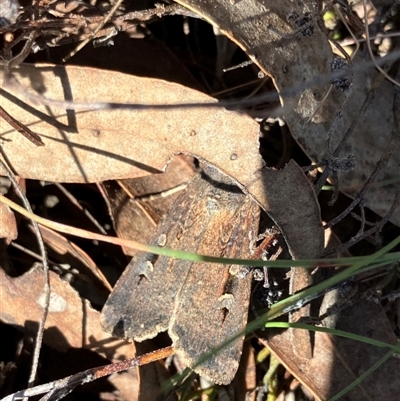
(337, 361)
(127, 385)
(245, 381)
(375, 131)
(137, 205)
(285, 39)
(90, 282)
(99, 145)
(62, 246)
(71, 321)
(8, 224)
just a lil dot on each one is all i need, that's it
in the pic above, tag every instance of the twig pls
(16, 87)
(46, 289)
(390, 148)
(60, 388)
(37, 256)
(21, 128)
(75, 202)
(100, 26)
(22, 55)
(371, 54)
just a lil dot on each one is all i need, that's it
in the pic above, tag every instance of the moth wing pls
(212, 306)
(142, 302)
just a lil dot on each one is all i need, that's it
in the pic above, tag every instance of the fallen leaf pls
(124, 143)
(374, 131)
(71, 321)
(285, 39)
(8, 226)
(137, 205)
(245, 381)
(337, 361)
(93, 146)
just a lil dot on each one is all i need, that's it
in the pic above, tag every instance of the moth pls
(201, 305)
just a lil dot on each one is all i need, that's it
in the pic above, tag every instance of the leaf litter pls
(290, 64)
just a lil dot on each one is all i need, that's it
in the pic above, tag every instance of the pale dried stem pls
(46, 288)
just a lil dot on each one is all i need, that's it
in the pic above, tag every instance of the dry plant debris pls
(149, 86)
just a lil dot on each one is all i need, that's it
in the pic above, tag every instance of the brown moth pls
(202, 305)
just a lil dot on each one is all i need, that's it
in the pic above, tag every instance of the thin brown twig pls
(75, 202)
(60, 388)
(98, 28)
(22, 55)
(21, 128)
(36, 255)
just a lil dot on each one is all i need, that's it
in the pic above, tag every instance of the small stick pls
(98, 28)
(60, 388)
(45, 264)
(21, 128)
